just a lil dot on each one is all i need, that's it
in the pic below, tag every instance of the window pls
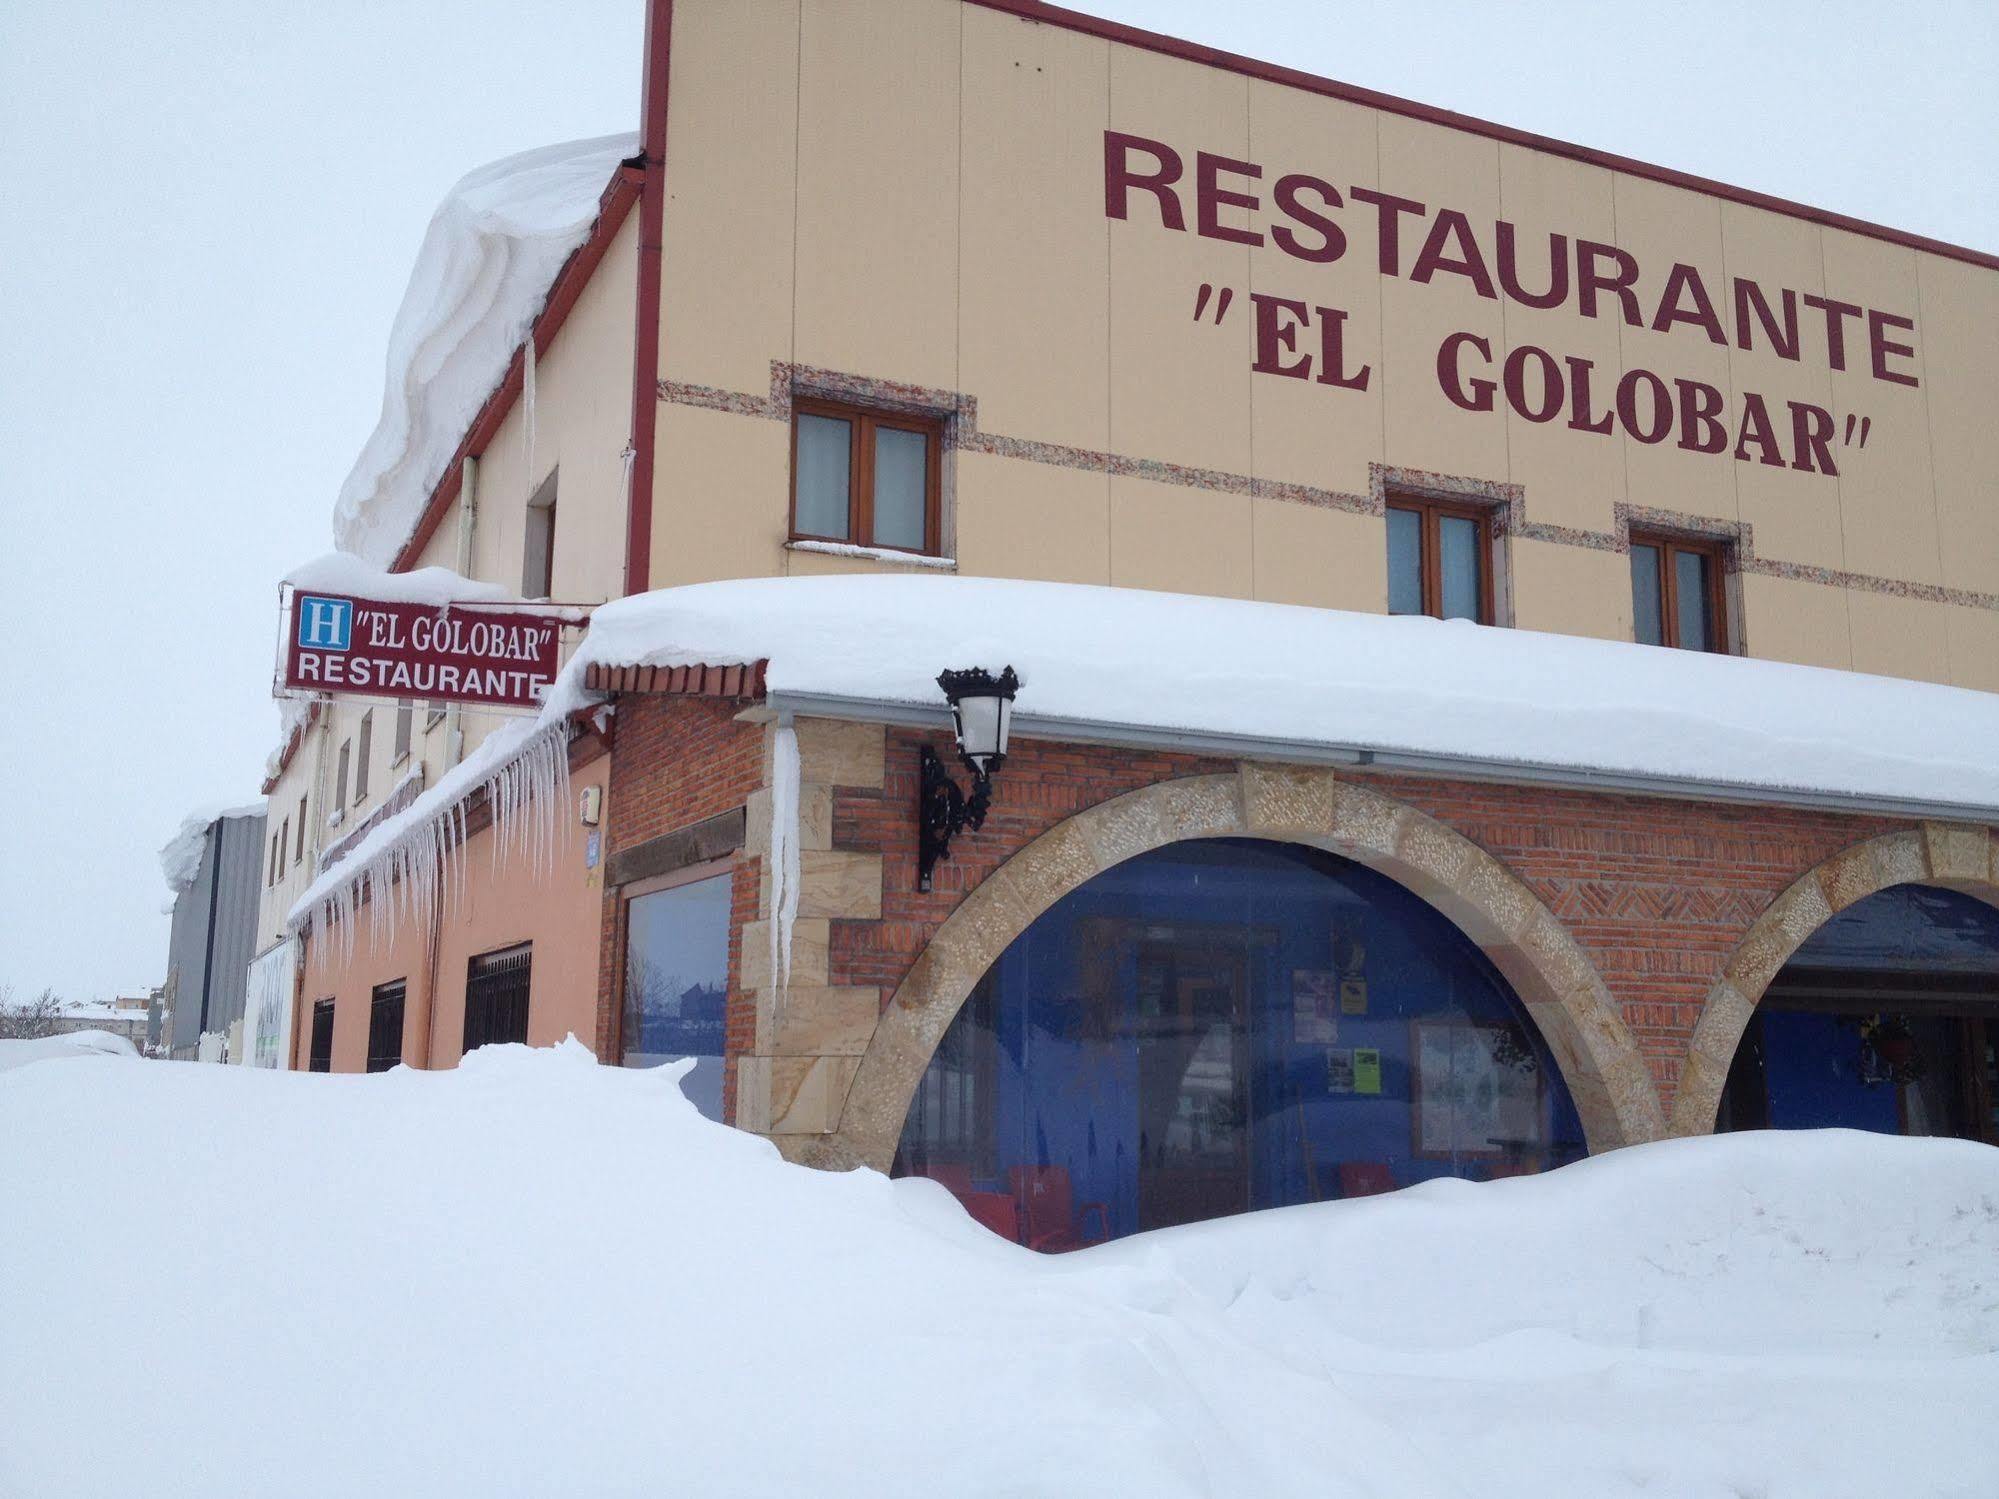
(284, 842)
(538, 546)
(496, 996)
(320, 1057)
(1439, 559)
(676, 981)
(298, 850)
(271, 869)
(340, 781)
(362, 758)
(405, 720)
(385, 1026)
(433, 716)
(868, 478)
(1677, 595)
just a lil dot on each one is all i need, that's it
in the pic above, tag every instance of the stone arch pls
(1561, 989)
(1951, 855)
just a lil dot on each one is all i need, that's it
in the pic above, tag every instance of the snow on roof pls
(488, 260)
(344, 573)
(180, 860)
(1328, 678)
(1804, 1313)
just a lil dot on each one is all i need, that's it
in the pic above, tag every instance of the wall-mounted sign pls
(495, 655)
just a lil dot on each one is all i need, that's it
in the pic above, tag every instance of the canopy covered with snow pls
(1316, 679)
(180, 860)
(483, 274)
(606, 1293)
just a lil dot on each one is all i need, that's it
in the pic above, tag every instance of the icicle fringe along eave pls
(424, 864)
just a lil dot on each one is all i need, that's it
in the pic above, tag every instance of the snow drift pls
(491, 254)
(536, 1275)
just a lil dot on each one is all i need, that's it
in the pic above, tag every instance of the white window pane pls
(1405, 562)
(823, 446)
(1690, 584)
(1457, 540)
(902, 473)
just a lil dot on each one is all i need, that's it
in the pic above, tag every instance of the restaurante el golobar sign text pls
(497, 655)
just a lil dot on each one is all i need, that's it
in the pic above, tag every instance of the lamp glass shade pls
(983, 721)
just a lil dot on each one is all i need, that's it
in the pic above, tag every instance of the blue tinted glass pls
(1405, 562)
(1457, 544)
(1226, 1025)
(1690, 601)
(1647, 616)
(677, 983)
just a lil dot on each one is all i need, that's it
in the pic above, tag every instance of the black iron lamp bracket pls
(943, 810)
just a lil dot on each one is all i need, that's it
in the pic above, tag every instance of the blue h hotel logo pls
(325, 624)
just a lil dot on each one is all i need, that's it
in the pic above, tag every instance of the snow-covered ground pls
(538, 1276)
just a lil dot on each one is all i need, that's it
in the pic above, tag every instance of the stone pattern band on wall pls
(962, 433)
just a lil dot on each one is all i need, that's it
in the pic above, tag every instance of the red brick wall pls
(1657, 891)
(674, 762)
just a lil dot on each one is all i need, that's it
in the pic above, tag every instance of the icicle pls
(784, 858)
(527, 412)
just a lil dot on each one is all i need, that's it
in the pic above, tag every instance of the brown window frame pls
(1716, 552)
(1429, 550)
(864, 421)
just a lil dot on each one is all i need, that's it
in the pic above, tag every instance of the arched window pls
(1225, 1025)
(1885, 1019)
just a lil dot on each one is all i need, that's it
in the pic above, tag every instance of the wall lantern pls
(981, 715)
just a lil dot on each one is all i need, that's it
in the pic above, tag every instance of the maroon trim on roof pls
(1152, 41)
(739, 681)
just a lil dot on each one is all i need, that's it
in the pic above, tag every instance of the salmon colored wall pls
(557, 909)
(912, 194)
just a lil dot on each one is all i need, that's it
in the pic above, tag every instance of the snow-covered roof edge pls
(180, 858)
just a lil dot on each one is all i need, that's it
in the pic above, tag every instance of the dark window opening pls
(538, 544)
(363, 754)
(866, 478)
(385, 1026)
(1678, 594)
(1439, 559)
(405, 720)
(319, 1058)
(496, 997)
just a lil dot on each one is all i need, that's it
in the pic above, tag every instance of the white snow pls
(535, 1275)
(180, 860)
(344, 573)
(491, 254)
(92, 1043)
(1325, 677)
(786, 859)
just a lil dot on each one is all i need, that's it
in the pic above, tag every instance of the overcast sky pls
(208, 211)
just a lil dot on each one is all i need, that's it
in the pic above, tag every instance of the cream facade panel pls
(1959, 325)
(726, 288)
(1793, 514)
(1180, 540)
(1314, 427)
(1660, 227)
(1571, 478)
(724, 496)
(1032, 520)
(1788, 620)
(1973, 639)
(1034, 323)
(1179, 382)
(877, 246)
(1569, 590)
(1887, 494)
(1898, 637)
(1308, 554)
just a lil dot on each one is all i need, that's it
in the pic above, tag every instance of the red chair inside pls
(1365, 1178)
(994, 1210)
(957, 1177)
(1054, 1220)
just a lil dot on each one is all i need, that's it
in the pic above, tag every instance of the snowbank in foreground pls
(538, 1276)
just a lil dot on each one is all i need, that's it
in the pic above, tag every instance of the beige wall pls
(913, 192)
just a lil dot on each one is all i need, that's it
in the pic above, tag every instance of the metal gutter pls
(1408, 762)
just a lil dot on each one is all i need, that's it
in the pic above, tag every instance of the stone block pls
(835, 752)
(1899, 859)
(807, 1093)
(1491, 889)
(833, 882)
(1366, 821)
(1724, 1017)
(1287, 800)
(1959, 853)
(1849, 875)
(824, 1021)
(1049, 867)
(815, 819)
(808, 953)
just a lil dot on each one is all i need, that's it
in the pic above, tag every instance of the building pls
(213, 866)
(133, 1016)
(962, 290)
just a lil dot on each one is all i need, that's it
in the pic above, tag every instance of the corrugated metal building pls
(214, 934)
